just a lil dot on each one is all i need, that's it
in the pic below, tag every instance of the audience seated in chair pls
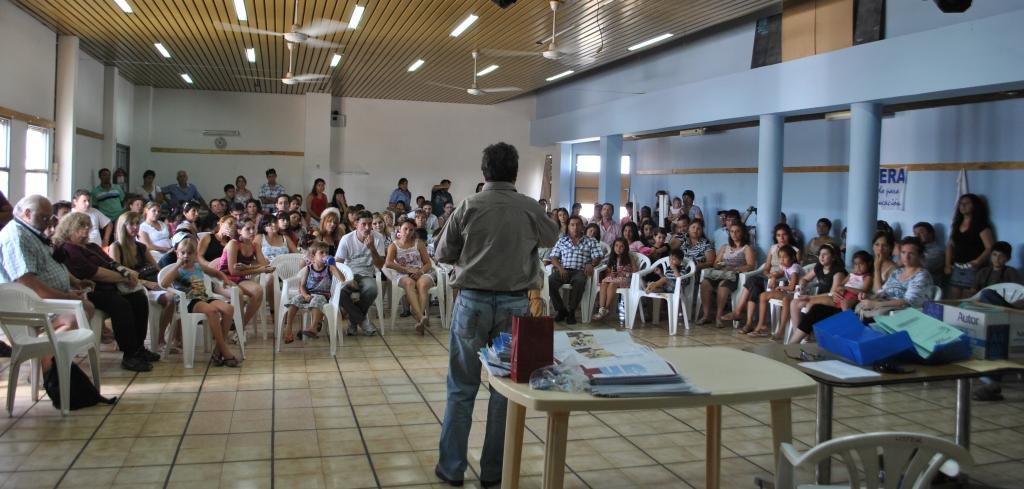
(573, 259)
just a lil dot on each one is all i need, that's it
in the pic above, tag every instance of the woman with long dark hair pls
(755, 285)
(621, 266)
(316, 201)
(970, 244)
(338, 201)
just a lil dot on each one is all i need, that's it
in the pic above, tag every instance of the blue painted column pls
(769, 178)
(566, 177)
(609, 187)
(862, 181)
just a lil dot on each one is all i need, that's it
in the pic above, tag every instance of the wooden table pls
(732, 376)
(795, 354)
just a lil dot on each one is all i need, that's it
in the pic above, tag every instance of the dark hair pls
(271, 171)
(402, 222)
(80, 192)
(636, 232)
(364, 214)
(888, 238)
(479, 187)
(826, 222)
(1004, 248)
(190, 206)
(576, 205)
(149, 173)
(242, 178)
(865, 257)
(259, 205)
(337, 191)
(744, 236)
(678, 253)
(238, 206)
(500, 163)
(578, 218)
(295, 198)
(629, 205)
(927, 227)
(100, 173)
(403, 180)
(614, 259)
(229, 187)
(913, 241)
(266, 221)
(61, 205)
(286, 197)
(421, 234)
(689, 193)
(446, 181)
(835, 255)
(588, 226)
(318, 180)
(979, 215)
(788, 251)
(784, 228)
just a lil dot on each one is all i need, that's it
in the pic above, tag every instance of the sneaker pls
(148, 355)
(351, 331)
(440, 475)
(988, 393)
(136, 364)
(601, 312)
(560, 316)
(570, 319)
(368, 328)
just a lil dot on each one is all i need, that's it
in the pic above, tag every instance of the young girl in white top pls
(790, 272)
(408, 257)
(153, 233)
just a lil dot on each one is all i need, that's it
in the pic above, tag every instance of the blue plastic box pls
(845, 335)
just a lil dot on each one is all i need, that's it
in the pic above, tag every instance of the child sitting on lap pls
(790, 273)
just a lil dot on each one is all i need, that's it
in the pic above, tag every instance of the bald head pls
(34, 210)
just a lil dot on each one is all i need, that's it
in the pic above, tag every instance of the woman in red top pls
(316, 201)
(242, 259)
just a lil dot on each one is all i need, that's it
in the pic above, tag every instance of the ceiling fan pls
(553, 51)
(474, 89)
(298, 34)
(289, 78)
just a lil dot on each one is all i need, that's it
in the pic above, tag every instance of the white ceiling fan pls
(474, 89)
(298, 34)
(553, 50)
(290, 78)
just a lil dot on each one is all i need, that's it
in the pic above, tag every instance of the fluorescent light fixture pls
(416, 65)
(335, 60)
(560, 75)
(838, 115)
(188, 79)
(123, 5)
(697, 131)
(250, 54)
(464, 25)
(650, 41)
(163, 51)
(487, 70)
(240, 11)
(357, 15)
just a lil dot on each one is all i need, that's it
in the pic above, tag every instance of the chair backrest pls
(346, 271)
(642, 261)
(288, 265)
(156, 255)
(1010, 291)
(935, 293)
(16, 302)
(887, 460)
(605, 248)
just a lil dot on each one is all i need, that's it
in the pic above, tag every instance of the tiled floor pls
(371, 418)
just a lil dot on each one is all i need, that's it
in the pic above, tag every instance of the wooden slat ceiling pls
(392, 34)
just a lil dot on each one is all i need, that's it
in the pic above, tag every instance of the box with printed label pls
(996, 332)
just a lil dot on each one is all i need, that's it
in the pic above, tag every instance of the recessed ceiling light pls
(163, 51)
(250, 54)
(188, 79)
(487, 70)
(560, 75)
(240, 11)
(357, 15)
(464, 25)
(335, 60)
(650, 41)
(416, 65)
(123, 5)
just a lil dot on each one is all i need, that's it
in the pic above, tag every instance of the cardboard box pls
(996, 332)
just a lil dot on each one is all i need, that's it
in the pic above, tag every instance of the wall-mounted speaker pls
(953, 6)
(504, 3)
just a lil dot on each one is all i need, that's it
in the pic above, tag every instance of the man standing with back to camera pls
(492, 239)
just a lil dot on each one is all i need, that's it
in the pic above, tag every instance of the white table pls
(732, 376)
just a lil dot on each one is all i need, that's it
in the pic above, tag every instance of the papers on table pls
(926, 332)
(988, 365)
(618, 367)
(840, 370)
(497, 358)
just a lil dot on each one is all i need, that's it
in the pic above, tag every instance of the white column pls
(610, 181)
(317, 145)
(769, 178)
(110, 122)
(862, 180)
(142, 128)
(64, 134)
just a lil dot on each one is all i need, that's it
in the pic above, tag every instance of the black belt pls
(520, 292)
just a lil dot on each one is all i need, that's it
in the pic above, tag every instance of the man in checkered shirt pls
(572, 260)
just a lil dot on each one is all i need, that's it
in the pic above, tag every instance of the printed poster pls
(892, 188)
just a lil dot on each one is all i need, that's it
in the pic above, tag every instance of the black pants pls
(577, 279)
(129, 316)
(817, 312)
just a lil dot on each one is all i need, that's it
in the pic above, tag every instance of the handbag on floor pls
(83, 393)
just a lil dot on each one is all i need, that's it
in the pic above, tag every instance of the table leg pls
(713, 461)
(515, 423)
(962, 435)
(782, 425)
(554, 450)
(824, 430)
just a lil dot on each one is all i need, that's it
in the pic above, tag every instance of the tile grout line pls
(352, 408)
(191, 413)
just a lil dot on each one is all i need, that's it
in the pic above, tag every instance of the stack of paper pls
(926, 332)
(618, 367)
(497, 358)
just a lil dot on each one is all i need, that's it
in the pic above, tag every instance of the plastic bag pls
(564, 377)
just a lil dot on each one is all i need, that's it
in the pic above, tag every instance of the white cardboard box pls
(996, 332)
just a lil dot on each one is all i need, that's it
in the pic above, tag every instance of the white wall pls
(124, 93)
(88, 156)
(427, 142)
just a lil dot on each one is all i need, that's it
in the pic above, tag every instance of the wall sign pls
(892, 188)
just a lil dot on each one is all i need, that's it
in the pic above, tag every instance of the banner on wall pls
(892, 188)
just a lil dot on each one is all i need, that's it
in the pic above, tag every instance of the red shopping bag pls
(533, 345)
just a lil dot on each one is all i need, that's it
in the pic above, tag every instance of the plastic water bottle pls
(796, 294)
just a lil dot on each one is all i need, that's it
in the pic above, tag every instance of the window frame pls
(47, 157)
(5, 154)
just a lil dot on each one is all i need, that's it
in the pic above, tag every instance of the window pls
(592, 164)
(37, 160)
(5, 157)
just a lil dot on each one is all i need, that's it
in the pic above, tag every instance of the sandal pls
(308, 334)
(288, 338)
(232, 362)
(747, 329)
(703, 320)
(759, 333)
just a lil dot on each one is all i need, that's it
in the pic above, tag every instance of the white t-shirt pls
(99, 221)
(149, 196)
(159, 237)
(357, 256)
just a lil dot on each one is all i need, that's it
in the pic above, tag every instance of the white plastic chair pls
(190, 322)
(775, 305)
(156, 255)
(378, 303)
(22, 314)
(887, 460)
(734, 298)
(674, 300)
(1010, 291)
(642, 262)
(285, 267)
(331, 310)
(397, 292)
(447, 300)
(593, 287)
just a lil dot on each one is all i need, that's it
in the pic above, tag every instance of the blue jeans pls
(477, 319)
(367, 294)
